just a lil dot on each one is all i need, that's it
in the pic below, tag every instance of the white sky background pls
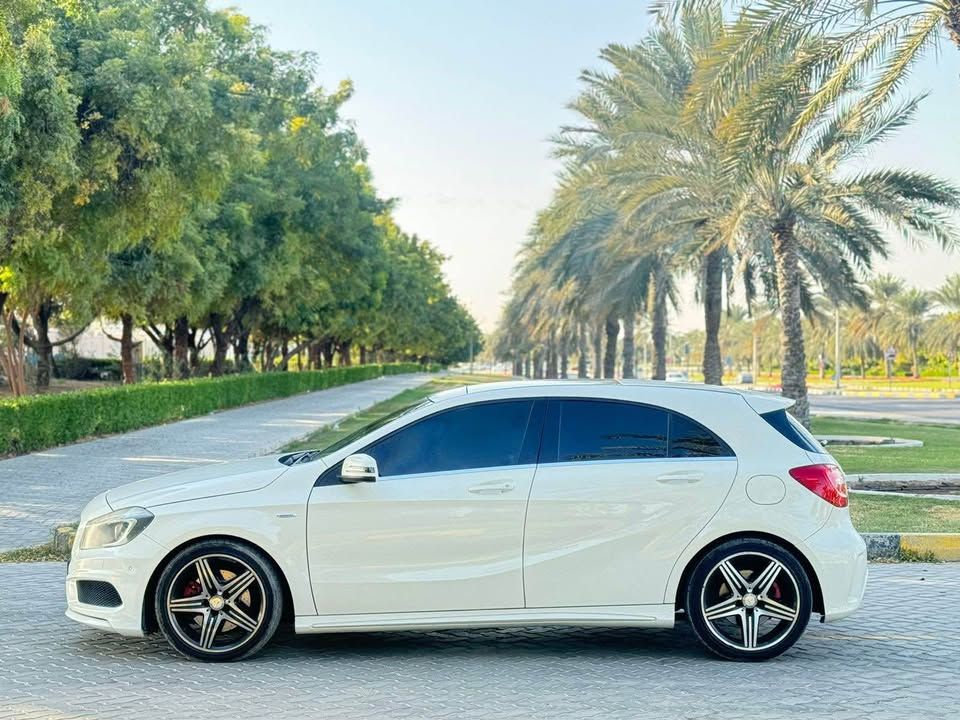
(456, 101)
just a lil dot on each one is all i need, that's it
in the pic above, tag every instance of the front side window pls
(475, 436)
(599, 430)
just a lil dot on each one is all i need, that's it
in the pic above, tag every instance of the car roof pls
(761, 402)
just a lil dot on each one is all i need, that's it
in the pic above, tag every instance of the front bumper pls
(128, 568)
(840, 559)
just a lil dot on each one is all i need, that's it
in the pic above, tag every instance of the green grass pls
(940, 451)
(330, 434)
(892, 513)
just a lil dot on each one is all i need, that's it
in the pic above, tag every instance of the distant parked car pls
(677, 376)
(745, 378)
(528, 503)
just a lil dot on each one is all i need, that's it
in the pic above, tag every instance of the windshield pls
(370, 427)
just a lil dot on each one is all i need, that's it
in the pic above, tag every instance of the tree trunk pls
(363, 354)
(629, 346)
(712, 310)
(220, 345)
(658, 331)
(598, 351)
(527, 366)
(564, 357)
(537, 365)
(126, 350)
(916, 360)
(612, 329)
(345, 360)
(44, 347)
(793, 365)
(181, 348)
(582, 350)
(518, 367)
(552, 357)
(241, 350)
(194, 352)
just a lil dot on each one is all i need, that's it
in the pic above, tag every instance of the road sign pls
(890, 353)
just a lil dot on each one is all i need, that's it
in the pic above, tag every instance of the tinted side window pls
(600, 430)
(475, 436)
(784, 423)
(689, 438)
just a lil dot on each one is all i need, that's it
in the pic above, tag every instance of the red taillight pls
(827, 481)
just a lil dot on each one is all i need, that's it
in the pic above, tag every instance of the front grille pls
(98, 592)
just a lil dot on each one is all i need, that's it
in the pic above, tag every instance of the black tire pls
(203, 627)
(732, 617)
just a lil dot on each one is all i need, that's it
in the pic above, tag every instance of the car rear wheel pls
(749, 600)
(218, 600)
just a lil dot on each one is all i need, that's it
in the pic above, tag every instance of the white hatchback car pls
(531, 503)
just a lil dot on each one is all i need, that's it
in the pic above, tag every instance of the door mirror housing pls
(359, 468)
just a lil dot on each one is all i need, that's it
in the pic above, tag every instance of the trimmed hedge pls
(42, 421)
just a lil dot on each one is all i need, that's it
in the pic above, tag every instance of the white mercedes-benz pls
(519, 503)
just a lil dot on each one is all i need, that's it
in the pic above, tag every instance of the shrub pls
(42, 421)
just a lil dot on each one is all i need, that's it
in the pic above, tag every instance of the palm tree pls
(632, 144)
(858, 34)
(909, 321)
(796, 204)
(945, 328)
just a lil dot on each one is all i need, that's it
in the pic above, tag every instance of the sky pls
(456, 100)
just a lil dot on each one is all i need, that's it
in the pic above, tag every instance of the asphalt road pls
(932, 411)
(898, 657)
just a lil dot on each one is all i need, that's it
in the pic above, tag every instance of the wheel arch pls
(148, 617)
(790, 547)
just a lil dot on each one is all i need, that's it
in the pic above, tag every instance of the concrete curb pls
(943, 547)
(910, 482)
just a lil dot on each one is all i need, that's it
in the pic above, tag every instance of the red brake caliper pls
(192, 588)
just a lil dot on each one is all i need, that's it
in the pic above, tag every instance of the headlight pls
(114, 529)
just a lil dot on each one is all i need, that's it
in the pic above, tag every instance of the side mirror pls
(359, 468)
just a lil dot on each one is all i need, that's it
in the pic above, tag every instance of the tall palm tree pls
(797, 204)
(945, 329)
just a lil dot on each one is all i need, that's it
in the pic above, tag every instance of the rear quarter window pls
(788, 426)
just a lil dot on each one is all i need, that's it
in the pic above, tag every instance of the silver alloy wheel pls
(216, 603)
(751, 601)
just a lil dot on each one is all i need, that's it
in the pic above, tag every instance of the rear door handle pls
(680, 478)
(492, 488)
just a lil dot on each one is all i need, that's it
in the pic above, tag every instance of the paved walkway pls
(896, 658)
(45, 489)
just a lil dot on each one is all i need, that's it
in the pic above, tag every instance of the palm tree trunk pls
(712, 310)
(581, 350)
(629, 346)
(612, 329)
(598, 351)
(552, 357)
(793, 365)
(658, 333)
(564, 357)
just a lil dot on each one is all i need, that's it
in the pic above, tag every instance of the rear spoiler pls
(763, 403)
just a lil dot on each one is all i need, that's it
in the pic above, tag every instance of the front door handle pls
(680, 478)
(492, 488)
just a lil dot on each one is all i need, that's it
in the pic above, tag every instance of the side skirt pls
(653, 616)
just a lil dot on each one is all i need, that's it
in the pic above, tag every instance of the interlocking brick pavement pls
(45, 489)
(898, 657)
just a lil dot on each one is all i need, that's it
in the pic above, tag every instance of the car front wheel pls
(218, 600)
(749, 600)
